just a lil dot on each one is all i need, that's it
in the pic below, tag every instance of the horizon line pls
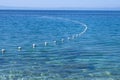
(57, 8)
(64, 9)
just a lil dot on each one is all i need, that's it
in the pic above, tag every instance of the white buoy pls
(68, 38)
(55, 42)
(46, 43)
(19, 48)
(107, 73)
(90, 74)
(76, 35)
(3, 51)
(62, 40)
(34, 45)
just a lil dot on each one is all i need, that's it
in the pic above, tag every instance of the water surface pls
(94, 55)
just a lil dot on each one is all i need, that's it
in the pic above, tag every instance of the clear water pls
(95, 55)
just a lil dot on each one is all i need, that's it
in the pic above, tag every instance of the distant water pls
(94, 55)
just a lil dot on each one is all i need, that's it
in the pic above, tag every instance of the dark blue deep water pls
(94, 55)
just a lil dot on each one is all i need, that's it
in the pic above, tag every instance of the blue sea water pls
(94, 55)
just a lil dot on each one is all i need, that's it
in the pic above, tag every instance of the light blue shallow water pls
(94, 55)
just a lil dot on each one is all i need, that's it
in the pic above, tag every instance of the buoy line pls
(62, 40)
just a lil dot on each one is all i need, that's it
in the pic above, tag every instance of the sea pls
(59, 45)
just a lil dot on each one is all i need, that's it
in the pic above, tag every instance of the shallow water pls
(93, 55)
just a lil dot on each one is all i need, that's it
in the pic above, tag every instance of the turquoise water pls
(93, 55)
